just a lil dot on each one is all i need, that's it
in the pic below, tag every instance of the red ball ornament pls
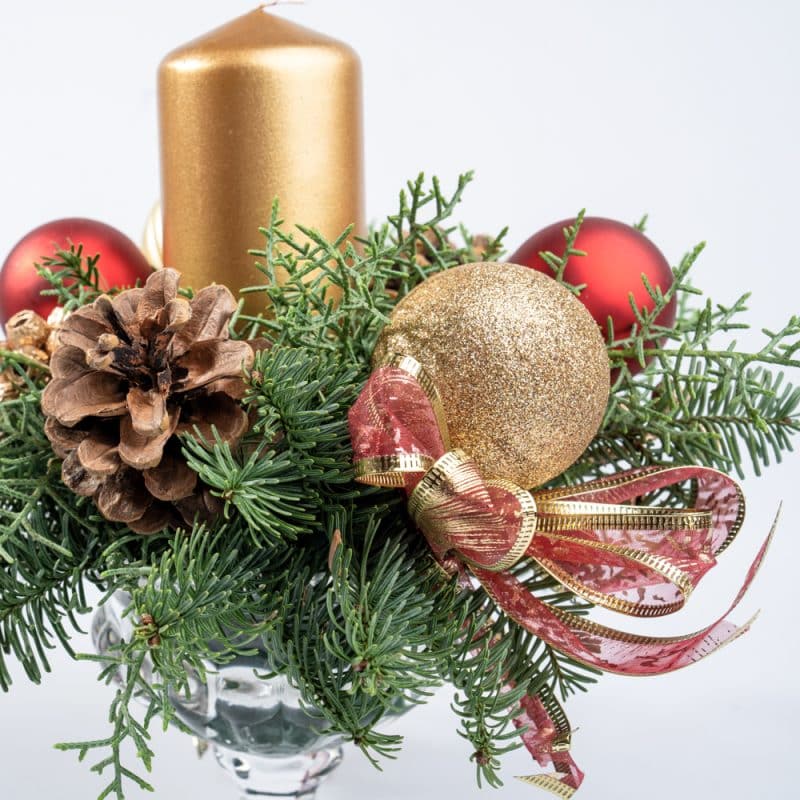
(617, 255)
(121, 262)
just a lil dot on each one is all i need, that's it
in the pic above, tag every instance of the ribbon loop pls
(565, 515)
(488, 523)
(635, 559)
(638, 560)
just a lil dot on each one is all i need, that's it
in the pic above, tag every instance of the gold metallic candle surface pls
(257, 109)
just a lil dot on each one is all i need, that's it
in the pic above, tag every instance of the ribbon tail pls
(546, 735)
(557, 783)
(606, 648)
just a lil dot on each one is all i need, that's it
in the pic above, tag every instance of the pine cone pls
(131, 373)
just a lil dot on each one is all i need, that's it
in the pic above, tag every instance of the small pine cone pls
(27, 335)
(437, 239)
(27, 329)
(479, 245)
(129, 375)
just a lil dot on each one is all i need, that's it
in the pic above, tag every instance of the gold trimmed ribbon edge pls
(672, 574)
(550, 783)
(738, 522)
(390, 470)
(589, 626)
(412, 367)
(617, 481)
(621, 606)
(438, 472)
(527, 527)
(568, 515)
(562, 742)
(612, 481)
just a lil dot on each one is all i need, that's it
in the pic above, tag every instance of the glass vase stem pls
(294, 776)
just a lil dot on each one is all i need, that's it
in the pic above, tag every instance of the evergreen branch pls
(11, 357)
(45, 552)
(558, 264)
(486, 701)
(199, 602)
(74, 278)
(126, 726)
(382, 638)
(194, 604)
(381, 627)
(240, 480)
(392, 637)
(304, 277)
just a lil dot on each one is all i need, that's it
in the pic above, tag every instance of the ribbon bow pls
(638, 560)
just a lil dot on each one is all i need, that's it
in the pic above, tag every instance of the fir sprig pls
(700, 400)
(46, 545)
(558, 263)
(74, 278)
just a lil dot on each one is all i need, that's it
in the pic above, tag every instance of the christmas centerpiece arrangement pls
(371, 461)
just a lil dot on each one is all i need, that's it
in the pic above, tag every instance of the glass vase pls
(270, 744)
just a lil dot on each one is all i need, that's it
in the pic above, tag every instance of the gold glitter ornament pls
(518, 360)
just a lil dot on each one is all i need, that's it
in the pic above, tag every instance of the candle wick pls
(270, 3)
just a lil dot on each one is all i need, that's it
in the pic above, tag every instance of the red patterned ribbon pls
(638, 560)
(547, 736)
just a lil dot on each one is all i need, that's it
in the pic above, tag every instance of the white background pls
(687, 110)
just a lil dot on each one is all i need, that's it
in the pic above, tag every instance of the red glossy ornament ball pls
(617, 255)
(121, 262)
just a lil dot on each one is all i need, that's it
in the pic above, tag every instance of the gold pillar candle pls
(258, 109)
